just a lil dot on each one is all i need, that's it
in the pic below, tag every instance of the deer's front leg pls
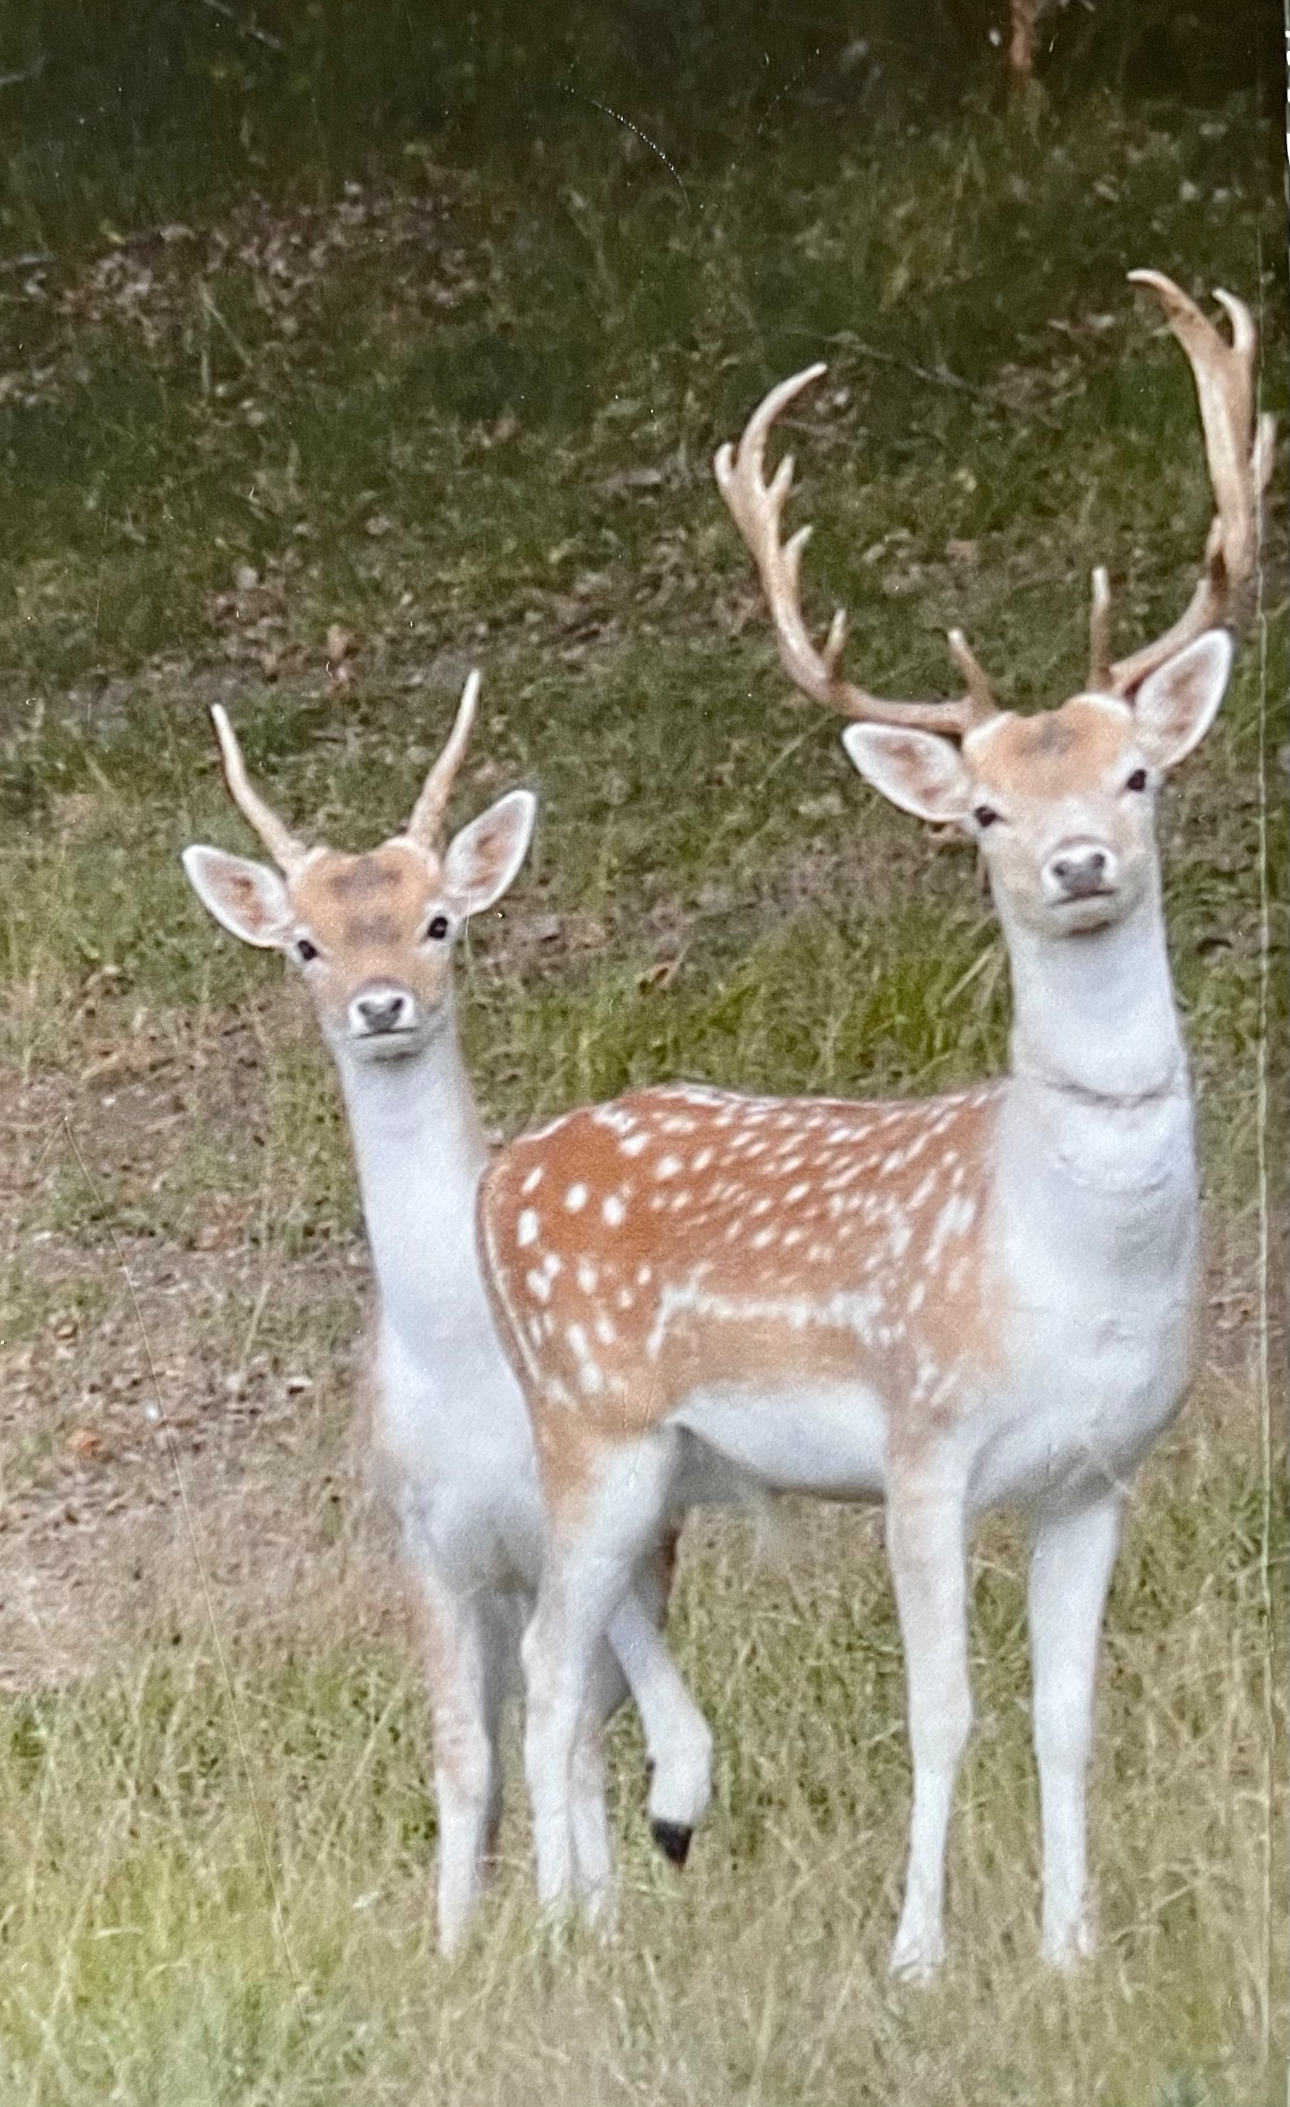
(464, 1683)
(1070, 1572)
(925, 1545)
(600, 1522)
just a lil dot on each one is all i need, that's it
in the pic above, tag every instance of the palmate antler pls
(1240, 461)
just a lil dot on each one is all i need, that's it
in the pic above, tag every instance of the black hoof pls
(673, 1840)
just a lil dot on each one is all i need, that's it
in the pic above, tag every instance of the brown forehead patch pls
(1054, 752)
(360, 878)
(371, 898)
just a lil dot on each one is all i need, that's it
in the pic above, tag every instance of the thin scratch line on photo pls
(580, 95)
(1264, 1280)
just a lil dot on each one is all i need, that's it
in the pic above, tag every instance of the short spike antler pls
(756, 506)
(1238, 449)
(427, 817)
(286, 850)
(1099, 634)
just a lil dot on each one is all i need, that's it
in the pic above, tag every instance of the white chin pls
(1082, 917)
(387, 1046)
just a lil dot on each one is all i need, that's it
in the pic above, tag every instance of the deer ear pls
(483, 859)
(1176, 705)
(248, 899)
(919, 771)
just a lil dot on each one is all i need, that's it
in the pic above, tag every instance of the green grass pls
(248, 1918)
(466, 412)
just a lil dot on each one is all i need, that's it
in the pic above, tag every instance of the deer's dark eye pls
(1137, 781)
(985, 815)
(305, 950)
(437, 927)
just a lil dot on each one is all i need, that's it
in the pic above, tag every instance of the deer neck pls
(420, 1150)
(1094, 1015)
(1099, 1102)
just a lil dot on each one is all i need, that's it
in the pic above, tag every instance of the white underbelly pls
(828, 1439)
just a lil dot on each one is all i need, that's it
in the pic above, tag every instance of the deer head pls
(372, 934)
(1062, 802)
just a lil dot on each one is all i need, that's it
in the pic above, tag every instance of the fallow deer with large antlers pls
(948, 1304)
(374, 936)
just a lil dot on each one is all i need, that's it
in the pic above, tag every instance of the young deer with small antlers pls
(374, 935)
(948, 1304)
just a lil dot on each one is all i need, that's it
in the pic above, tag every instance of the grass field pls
(312, 438)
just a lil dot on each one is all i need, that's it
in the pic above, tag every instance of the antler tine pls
(980, 692)
(756, 507)
(286, 850)
(427, 815)
(1238, 451)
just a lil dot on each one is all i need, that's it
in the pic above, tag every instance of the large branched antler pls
(1238, 449)
(755, 506)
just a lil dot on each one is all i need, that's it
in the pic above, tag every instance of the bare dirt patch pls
(174, 1408)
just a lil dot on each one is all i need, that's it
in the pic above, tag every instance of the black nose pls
(1081, 873)
(382, 1013)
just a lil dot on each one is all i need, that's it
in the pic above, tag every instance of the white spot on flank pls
(614, 1117)
(526, 1229)
(532, 1182)
(576, 1198)
(604, 1331)
(634, 1144)
(667, 1166)
(538, 1286)
(762, 1239)
(702, 1160)
(614, 1211)
(644, 1275)
(588, 1276)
